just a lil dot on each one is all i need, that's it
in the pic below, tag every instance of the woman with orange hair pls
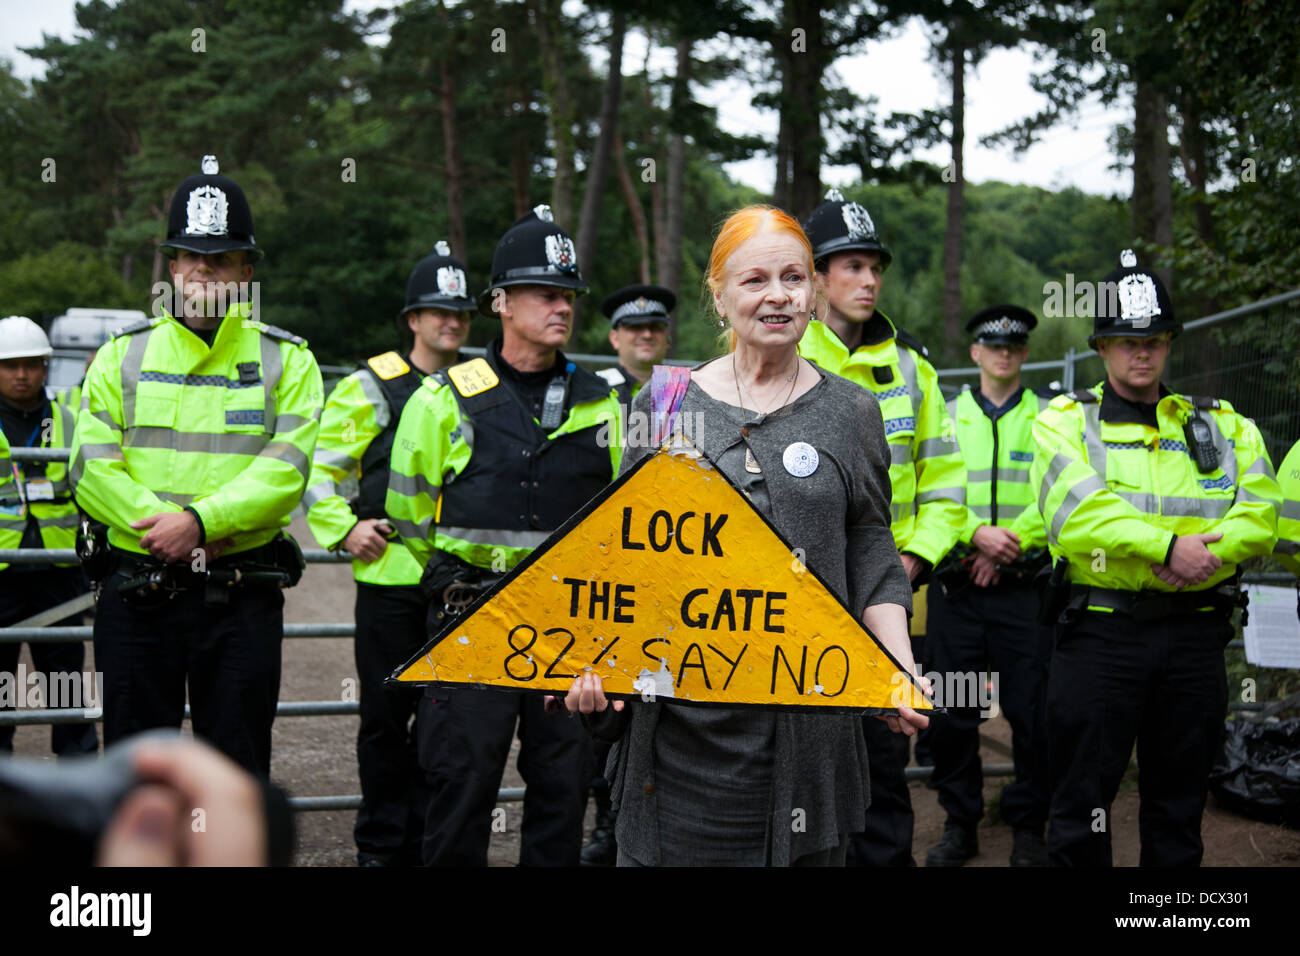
(715, 786)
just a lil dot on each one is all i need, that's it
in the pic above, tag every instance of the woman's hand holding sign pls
(587, 696)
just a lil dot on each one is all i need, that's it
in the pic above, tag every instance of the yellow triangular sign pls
(669, 583)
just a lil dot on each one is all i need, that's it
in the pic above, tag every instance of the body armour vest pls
(517, 478)
(373, 483)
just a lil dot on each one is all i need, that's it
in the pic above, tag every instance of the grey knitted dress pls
(743, 786)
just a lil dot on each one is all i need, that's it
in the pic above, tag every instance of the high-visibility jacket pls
(997, 455)
(625, 385)
(39, 491)
(168, 422)
(1287, 549)
(1113, 494)
(359, 415)
(474, 475)
(925, 468)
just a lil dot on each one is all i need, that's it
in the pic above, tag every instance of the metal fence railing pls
(1250, 356)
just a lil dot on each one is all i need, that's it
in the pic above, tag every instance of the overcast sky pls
(997, 94)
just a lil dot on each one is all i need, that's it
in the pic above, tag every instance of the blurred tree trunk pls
(952, 237)
(451, 144)
(802, 104)
(1152, 203)
(598, 172)
(1192, 151)
(670, 257)
(635, 210)
(548, 18)
(520, 161)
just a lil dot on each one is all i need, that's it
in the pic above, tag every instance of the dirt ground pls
(316, 756)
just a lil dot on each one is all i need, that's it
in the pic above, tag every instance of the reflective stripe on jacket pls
(168, 422)
(1114, 494)
(356, 414)
(926, 470)
(54, 510)
(998, 455)
(1287, 549)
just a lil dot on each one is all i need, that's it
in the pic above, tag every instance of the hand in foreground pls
(984, 571)
(912, 565)
(1192, 560)
(172, 536)
(587, 696)
(999, 544)
(158, 824)
(366, 540)
(907, 721)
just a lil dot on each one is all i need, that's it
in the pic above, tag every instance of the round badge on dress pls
(800, 459)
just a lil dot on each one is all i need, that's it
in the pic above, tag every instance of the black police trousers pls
(982, 631)
(464, 743)
(886, 838)
(23, 594)
(394, 797)
(229, 654)
(1114, 680)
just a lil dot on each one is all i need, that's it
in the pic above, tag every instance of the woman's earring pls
(812, 316)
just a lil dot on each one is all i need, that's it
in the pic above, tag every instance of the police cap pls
(638, 305)
(534, 251)
(438, 281)
(839, 226)
(1132, 303)
(209, 214)
(1002, 325)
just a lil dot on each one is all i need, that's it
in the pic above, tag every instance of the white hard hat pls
(20, 337)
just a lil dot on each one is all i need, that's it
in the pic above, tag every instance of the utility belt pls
(953, 573)
(143, 582)
(451, 585)
(1153, 605)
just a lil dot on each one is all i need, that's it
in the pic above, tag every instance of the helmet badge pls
(857, 221)
(451, 281)
(205, 212)
(1137, 299)
(560, 253)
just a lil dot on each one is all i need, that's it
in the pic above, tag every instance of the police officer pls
(193, 445)
(37, 511)
(490, 457)
(856, 340)
(981, 603)
(356, 441)
(638, 331)
(1151, 499)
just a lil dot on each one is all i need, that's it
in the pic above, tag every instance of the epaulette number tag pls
(389, 365)
(473, 377)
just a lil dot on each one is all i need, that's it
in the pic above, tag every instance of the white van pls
(75, 336)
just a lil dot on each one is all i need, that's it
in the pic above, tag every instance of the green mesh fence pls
(1249, 356)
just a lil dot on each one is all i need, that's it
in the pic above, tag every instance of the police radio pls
(553, 403)
(1200, 444)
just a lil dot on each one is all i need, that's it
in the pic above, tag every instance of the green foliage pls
(1016, 240)
(44, 282)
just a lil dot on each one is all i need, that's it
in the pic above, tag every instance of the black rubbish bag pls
(1257, 773)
